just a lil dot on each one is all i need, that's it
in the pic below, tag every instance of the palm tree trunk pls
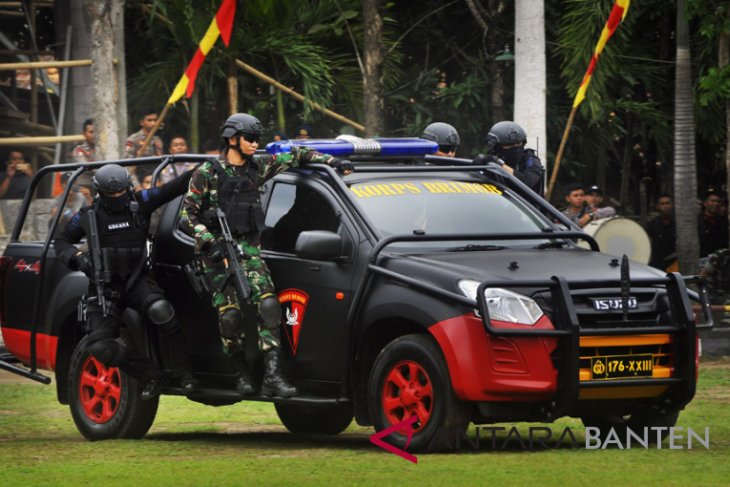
(498, 92)
(530, 78)
(373, 105)
(99, 15)
(685, 171)
(723, 56)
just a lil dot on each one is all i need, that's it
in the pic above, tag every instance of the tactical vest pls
(123, 238)
(238, 196)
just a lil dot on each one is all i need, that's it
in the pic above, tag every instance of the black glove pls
(483, 159)
(81, 262)
(341, 165)
(214, 250)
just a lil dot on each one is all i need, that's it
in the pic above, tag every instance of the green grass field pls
(244, 444)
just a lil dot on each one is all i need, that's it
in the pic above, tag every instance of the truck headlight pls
(504, 305)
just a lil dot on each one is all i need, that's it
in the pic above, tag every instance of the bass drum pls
(618, 236)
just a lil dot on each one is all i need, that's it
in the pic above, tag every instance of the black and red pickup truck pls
(417, 286)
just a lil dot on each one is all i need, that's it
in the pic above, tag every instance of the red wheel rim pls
(407, 392)
(100, 390)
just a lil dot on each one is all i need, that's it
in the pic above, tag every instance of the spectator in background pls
(577, 211)
(147, 121)
(304, 132)
(594, 198)
(79, 195)
(178, 145)
(144, 173)
(280, 136)
(712, 225)
(662, 231)
(15, 180)
(85, 152)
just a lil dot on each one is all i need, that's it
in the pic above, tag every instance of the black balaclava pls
(115, 205)
(512, 156)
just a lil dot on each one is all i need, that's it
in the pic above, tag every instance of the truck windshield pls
(443, 207)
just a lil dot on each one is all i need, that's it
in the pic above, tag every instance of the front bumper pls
(551, 361)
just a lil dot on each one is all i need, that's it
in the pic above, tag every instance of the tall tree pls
(103, 22)
(530, 77)
(685, 166)
(373, 106)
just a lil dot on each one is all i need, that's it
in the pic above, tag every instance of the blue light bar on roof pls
(349, 145)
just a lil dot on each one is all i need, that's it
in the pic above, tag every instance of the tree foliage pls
(440, 65)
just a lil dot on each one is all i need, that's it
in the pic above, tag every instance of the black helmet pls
(505, 133)
(441, 133)
(111, 178)
(241, 123)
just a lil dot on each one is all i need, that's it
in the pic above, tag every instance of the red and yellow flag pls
(618, 12)
(222, 25)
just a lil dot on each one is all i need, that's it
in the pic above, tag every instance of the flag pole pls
(559, 157)
(294, 94)
(160, 119)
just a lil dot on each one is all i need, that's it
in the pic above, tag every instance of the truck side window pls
(292, 210)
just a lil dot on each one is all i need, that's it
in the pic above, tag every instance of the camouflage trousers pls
(259, 279)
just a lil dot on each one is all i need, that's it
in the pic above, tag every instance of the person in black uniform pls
(445, 136)
(123, 218)
(662, 231)
(712, 225)
(506, 146)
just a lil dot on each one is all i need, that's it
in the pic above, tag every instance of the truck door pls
(315, 295)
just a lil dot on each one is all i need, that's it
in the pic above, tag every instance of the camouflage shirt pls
(203, 190)
(83, 153)
(135, 141)
(716, 270)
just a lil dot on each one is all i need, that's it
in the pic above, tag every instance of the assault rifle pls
(232, 254)
(100, 261)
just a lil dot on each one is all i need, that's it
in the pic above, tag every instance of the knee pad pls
(160, 312)
(107, 351)
(270, 311)
(231, 323)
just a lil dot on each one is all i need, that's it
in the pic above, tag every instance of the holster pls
(81, 310)
(196, 276)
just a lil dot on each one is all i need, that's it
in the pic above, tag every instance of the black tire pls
(105, 402)
(416, 362)
(635, 421)
(315, 420)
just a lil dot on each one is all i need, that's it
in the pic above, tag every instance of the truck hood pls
(509, 264)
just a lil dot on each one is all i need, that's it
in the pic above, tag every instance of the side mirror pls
(318, 245)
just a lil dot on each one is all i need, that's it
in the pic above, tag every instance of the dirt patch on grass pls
(722, 363)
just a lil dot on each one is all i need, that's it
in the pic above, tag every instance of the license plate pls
(622, 366)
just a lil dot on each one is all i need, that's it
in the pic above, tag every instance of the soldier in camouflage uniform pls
(716, 271)
(233, 182)
(147, 121)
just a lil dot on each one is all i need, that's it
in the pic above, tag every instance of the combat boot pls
(188, 383)
(153, 387)
(274, 384)
(244, 383)
(149, 376)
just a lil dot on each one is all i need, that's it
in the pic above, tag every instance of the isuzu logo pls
(606, 304)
